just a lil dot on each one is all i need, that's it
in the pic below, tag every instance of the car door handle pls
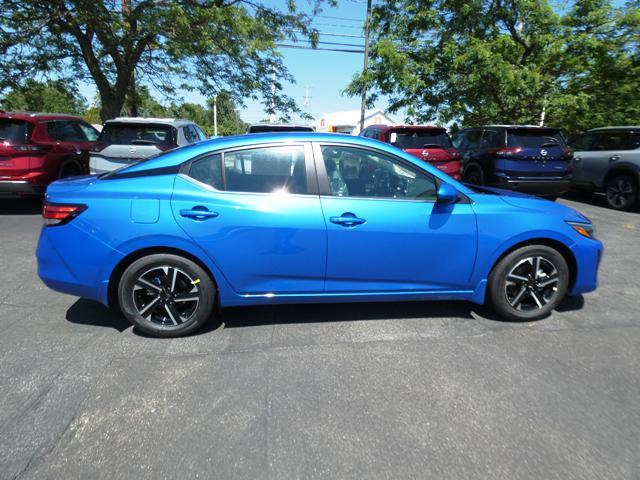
(198, 213)
(577, 159)
(614, 158)
(347, 219)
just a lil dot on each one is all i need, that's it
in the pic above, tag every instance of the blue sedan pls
(304, 218)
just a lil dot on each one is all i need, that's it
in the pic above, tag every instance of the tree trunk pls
(111, 105)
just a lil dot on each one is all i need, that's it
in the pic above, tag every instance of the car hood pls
(534, 204)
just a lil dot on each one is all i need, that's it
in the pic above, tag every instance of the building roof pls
(352, 117)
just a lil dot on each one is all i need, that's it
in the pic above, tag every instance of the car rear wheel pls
(473, 175)
(166, 295)
(621, 191)
(528, 283)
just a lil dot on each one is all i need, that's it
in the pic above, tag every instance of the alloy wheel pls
(166, 296)
(620, 192)
(531, 284)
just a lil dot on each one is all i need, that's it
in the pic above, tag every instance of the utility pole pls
(305, 100)
(544, 110)
(215, 115)
(363, 104)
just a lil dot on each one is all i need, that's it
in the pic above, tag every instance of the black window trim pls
(325, 188)
(312, 184)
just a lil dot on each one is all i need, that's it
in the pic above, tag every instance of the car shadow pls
(21, 206)
(594, 199)
(88, 312)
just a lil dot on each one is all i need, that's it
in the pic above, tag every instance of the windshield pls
(419, 139)
(14, 131)
(534, 138)
(133, 134)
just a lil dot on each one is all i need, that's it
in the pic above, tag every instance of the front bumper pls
(12, 188)
(542, 186)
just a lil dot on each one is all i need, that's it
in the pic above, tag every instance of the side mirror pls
(393, 138)
(447, 194)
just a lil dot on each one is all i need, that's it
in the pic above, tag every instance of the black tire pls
(534, 298)
(69, 171)
(166, 295)
(621, 191)
(473, 174)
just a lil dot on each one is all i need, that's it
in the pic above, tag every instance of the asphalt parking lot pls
(414, 390)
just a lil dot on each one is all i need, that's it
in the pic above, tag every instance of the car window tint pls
(69, 132)
(137, 134)
(90, 133)
(208, 170)
(615, 140)
(190, 134)
(266, 170)
(14, 131)
(492, 139)
(533, 138)
(416, 139)
(471, 139)
(355, 172)
(200, 133)
(581, 142)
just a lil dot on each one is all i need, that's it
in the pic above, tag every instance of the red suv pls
(429, 143)
(38, 148)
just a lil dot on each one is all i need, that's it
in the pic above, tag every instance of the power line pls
(358, 20)
(331, 34)
(335, 43)
(338, 26)
(301, 47)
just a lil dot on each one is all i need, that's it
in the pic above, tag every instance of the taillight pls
(163, 147)
(568, 151)
(59, 214)
(507, 152)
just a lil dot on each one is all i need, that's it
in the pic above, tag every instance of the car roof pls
(386, 128)
(38, 116)
(622, 127)
(175, 122)
(183, 154)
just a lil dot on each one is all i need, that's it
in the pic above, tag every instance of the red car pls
(38, 148)
(429, 143)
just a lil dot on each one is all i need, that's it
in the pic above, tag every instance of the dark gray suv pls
(608, 160)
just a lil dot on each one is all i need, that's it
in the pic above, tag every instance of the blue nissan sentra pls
(304, 218)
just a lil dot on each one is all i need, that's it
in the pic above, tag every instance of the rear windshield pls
(534, 138)
(407, 139)
(133, 134)
(14, 131)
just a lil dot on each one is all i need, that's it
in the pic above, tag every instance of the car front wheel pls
(166, 295)
(528, 283)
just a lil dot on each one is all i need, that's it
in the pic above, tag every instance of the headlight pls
(584, 229)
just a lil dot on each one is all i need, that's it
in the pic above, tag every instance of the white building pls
(349, 121)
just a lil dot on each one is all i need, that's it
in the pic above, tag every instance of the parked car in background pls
(278, 127)
(267, 219)
(125, 140)
(524, 158)
(38, 148)
(608, 160)
(429, 143)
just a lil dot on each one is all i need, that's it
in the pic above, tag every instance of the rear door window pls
(14, 131)
(66, 131)
(492, 139)
(416, 139)
(208, 170)
(614, 140)
(137, 134)
(471, 139)
(533, 138)
(278, 169)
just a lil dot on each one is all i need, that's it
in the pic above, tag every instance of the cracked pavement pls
(411, 390)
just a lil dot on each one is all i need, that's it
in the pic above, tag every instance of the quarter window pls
(266, 170)
(208, 170)
(355, 172)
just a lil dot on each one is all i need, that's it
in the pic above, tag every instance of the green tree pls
(496, 61)
(229, 121)
(52, 96)
(211, 45)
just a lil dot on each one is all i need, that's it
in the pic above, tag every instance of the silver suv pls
(608, 160)
(125, 140)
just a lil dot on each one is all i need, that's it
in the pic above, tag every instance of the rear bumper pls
(11, 188)
(544, 187)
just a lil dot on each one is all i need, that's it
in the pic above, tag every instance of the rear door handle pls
(347, 219)
(198, 213)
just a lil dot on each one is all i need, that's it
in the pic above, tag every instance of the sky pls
(324, 73)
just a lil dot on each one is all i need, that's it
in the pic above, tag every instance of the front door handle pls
(198, 213)
(347, 219)
(614, 158)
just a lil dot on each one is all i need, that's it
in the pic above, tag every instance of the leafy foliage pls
(503, 61)
(53, 96)
(211, 45)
